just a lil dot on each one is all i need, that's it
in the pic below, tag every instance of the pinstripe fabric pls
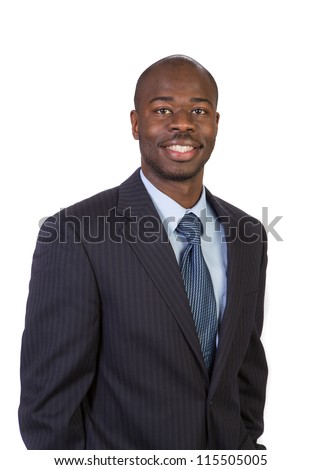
(110, 356)
(199, 288)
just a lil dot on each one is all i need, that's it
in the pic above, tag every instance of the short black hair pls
(175, 61)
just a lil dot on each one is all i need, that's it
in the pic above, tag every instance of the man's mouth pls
(181, 148)
(180, 152)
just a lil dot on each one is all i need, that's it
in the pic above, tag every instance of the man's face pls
(176, 122)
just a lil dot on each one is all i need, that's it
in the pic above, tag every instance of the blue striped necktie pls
(199, 287)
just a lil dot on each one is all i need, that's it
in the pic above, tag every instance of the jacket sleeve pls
(59, 344)
(253, 373)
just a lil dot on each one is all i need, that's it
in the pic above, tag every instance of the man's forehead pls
(182, 78)
(171, 90)
(179, 78)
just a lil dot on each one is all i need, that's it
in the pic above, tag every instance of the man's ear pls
(134, 121)
(217, 119)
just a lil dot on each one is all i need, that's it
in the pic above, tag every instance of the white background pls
(68, 72)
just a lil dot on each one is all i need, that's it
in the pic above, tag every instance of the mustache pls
(182, 136)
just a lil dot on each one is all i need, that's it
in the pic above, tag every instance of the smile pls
(181, 148)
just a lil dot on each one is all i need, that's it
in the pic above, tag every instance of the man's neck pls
(186, 193)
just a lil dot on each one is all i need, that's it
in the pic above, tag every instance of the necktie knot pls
(190, 227)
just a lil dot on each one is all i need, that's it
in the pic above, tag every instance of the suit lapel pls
(156, 255)
(236, 257)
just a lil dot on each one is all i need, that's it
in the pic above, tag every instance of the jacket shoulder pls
(237, 219)
(226, 208)
(77, 218)
(231, 209)
(99, 203)
(102, 202)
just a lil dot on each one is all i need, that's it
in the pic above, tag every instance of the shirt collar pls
(169, 211)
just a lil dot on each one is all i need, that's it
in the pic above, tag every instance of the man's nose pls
(182, 121)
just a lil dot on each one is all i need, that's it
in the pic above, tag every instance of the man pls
(141, 333)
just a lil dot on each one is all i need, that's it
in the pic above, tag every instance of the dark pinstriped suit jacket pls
(110, 355)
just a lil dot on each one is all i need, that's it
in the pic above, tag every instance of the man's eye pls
(199, 111)
(163, 111)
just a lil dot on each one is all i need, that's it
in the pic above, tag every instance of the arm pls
(252, 376)
(59, 346)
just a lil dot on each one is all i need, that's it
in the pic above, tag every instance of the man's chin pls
(174, 175)
(179, 177)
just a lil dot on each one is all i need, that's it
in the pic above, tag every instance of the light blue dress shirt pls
(212, 241)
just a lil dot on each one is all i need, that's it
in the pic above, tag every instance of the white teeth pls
(181, 148)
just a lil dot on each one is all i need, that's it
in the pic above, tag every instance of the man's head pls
(175, 118)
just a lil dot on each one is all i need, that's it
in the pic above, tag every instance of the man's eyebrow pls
(201, 100)
(162, 98)
(171, 98)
